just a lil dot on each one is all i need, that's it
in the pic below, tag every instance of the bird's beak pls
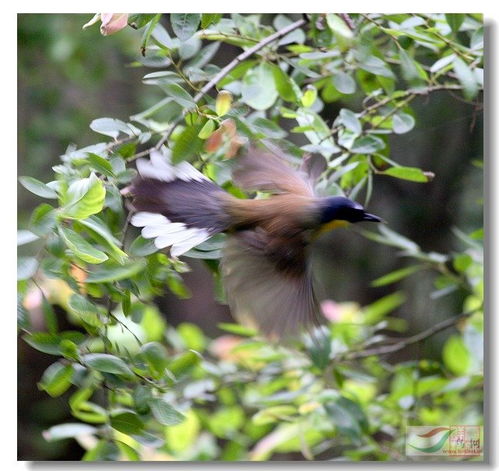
(372, 217)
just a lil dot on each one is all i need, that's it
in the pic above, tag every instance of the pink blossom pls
(331, 310)
(110, 22)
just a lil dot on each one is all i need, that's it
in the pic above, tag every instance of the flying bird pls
(265, 264)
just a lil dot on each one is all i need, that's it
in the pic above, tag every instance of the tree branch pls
(404, 342)
(230, 66)
(348, 20)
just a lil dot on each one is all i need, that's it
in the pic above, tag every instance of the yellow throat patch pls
(331, 225)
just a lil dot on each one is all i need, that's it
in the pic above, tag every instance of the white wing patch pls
(160, 168)
(166, 233)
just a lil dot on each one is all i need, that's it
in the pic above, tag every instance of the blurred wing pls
(270, 171)
(269, 286)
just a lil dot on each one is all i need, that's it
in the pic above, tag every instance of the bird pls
(265, 267)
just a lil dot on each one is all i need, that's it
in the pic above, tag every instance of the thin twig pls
(385, 349)
(230, 66)
(349, 22)
(411, 93)
(393, 111)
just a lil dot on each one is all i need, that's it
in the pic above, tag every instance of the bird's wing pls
(269, 283)
(265, 170)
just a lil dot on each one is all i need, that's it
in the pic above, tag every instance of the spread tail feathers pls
(177, 206)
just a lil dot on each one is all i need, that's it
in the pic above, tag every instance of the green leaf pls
(320, 135)
(402, 123)
(411, 71)
(273, 414)
(207, 129)
(161, 37)
(309, 96)
(338, 26)
(319, 348)
(184, 362)
(80, 247)
(163, 77)
(89, 412)
(83, 198)
(462, 262)
(142, 247)
(105, 450)
(42, 219)
(454, 20)
(258, 89)
(25, 237)
(126, 422)
(344, 83)
(68, 430)
(442, 62)
(350, 121)
(412, 174)
(50, 343)
(204, 55)
(367, 144)
(177, 286)
(348, 418)
(397, 240)
(69, 350)
(49, 316)
(156, 357)
(237, 329)
(86, 310)
(237, 72)
(179, 95)
(396, 275)
(107, 364)
(102, 234)
(184, 25)
(456, 356)
(56, 379)
(141, 19)
(286, 87)
(111, 272)
(181, 437)
(466, 78)
(100, 164)
(374, 65)
(208, 19)
(110, 127)
(164, 413)
(192, 336)
(187, 145)
(130, 453)
(375, 312)
(37, 187)
(26, 267)
(267, 128)
(153, 22)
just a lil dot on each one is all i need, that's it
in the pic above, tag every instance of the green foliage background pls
(388, 100)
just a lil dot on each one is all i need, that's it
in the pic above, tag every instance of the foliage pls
(141, 389)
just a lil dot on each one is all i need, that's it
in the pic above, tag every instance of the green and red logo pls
(448, 440)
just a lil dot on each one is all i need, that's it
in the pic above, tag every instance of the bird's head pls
(339, 208)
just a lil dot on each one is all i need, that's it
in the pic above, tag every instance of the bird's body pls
(265, 266)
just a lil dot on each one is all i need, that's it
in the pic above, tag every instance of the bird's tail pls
(177, 206)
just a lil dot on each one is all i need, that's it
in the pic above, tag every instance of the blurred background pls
(67, 77)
